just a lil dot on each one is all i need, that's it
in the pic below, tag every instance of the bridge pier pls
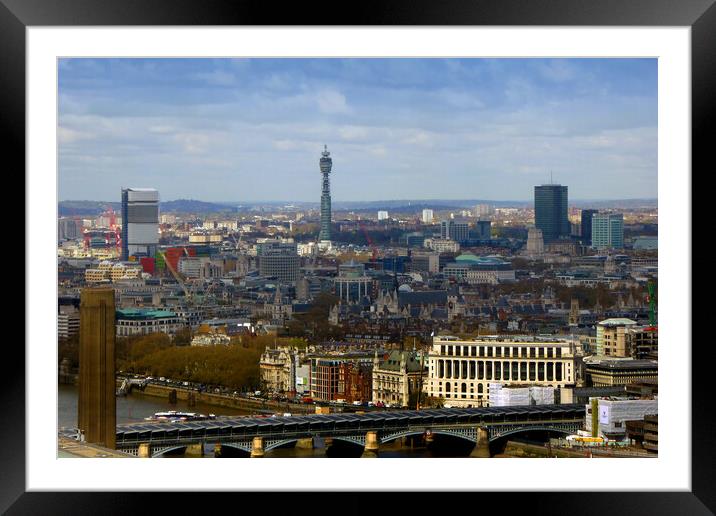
(305, 444)
(371, 445)
(145, 451)
(194, 450)
(257, 447)
(482, 448)
(429, 437)
(217, 450)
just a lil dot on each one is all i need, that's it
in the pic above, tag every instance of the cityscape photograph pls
(357, 258)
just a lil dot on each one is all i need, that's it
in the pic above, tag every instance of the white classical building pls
(460, 371)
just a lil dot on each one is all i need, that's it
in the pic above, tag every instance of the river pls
(136, 406)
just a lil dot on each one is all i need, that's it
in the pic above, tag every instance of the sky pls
(235, 130)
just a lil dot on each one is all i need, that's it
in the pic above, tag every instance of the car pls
(357, 403)
(162, 379)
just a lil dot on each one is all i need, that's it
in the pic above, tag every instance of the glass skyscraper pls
(140, 222)
(608, 231)
(586, 226)
(325, 163)
(551, 211)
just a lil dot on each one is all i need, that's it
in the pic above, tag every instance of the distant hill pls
(194, 206)
(85, 208)
(94, 208)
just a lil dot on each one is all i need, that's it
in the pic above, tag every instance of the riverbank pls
(523, 450)
(192, 396)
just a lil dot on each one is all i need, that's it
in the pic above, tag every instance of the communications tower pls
(326, 163)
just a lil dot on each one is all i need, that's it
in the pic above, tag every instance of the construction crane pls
(177, 276)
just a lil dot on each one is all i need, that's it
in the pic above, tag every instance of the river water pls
(136, 406)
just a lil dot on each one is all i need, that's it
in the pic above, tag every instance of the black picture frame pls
(700, 15)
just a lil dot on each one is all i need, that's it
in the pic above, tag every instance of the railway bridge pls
(256, 435)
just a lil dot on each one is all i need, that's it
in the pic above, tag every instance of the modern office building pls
(383, 215)
(456, 230)
(279, 260)
(415, 239)
(551, 211)
(140, 222)
(427, 216)
(483, 230)
(326, 164)
(474, 270)
(586, 226)
(68, 229)
(96, 406)
(608, 231)
(620, 337)
(460, 371)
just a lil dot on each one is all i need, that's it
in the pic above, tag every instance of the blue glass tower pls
(551, 211)
(326, 163)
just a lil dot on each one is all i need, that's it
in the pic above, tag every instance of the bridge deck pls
(316, 424)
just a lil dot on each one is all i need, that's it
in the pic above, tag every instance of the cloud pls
(332, 102)
(460, 126)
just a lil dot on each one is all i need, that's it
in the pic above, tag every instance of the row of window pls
(500, 351)
(496, 370)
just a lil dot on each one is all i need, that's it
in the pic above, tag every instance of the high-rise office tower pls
(608, 230)
(325, 163)
(551, 211)
(96, 408)
(427, 216)
(383, 215)
(586, 223)
(140, 222)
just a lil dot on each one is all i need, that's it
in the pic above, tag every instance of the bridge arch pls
(536, 428)
(467, 434)
(160, 452)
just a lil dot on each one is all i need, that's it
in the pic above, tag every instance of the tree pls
(183, 337)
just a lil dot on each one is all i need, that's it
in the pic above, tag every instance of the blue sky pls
(253, 129)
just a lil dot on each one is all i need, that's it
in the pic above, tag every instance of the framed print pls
(417, 232)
